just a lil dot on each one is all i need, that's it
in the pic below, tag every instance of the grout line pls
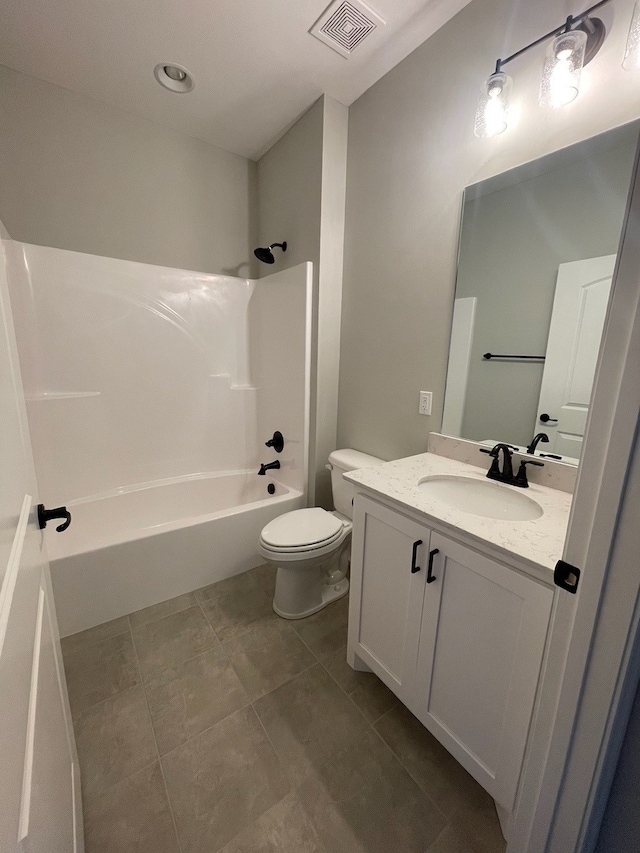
(138, 628)
(77, 717)
(287, 681)
(204, 731)
(69, 652)
(432, 846)
(248, 703)
(155, 740)
(275, 751)
(410, 775)
(100, 792)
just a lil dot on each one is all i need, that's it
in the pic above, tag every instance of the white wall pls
(411, 153)
(77, 174)
(301, 191)
(135, 372)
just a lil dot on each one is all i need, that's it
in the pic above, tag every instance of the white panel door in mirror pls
(577, 321)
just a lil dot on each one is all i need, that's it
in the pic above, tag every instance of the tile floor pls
(207, 723)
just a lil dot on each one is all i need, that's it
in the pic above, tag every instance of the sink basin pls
(481, 497)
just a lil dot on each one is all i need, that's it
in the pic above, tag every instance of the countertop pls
(537, 544)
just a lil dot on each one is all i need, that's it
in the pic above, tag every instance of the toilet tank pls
(347, 460)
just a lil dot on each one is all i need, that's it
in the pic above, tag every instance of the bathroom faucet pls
(540, 438)
(507, 475)
(494, 473)
(268, 466)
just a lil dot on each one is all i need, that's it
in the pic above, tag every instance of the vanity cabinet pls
(461, 645)
(386, 610)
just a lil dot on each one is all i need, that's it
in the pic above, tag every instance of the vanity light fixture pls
(563, 63)
(573, 45)
(632, 52)
(493, 106)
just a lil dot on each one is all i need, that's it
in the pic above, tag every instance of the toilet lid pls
(301, 527)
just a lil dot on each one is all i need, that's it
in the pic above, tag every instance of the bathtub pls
(138, 546)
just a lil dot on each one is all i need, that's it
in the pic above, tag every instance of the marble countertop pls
(537, 544)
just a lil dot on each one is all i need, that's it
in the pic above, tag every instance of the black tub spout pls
(269, 466)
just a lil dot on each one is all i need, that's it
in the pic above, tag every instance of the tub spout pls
(268, 467)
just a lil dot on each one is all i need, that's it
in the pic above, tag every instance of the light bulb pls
(632, 53)
(493, 107)
(563, 63)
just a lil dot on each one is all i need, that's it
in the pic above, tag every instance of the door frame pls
(590, 670)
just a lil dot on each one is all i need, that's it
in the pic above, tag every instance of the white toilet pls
(311, 547)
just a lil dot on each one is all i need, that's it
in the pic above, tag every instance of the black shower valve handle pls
(277, 442)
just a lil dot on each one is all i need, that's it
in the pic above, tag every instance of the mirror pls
(536, 256)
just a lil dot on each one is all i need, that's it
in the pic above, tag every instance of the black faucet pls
(506, 475)
(494, 473)
(540, 438)
(268, 466)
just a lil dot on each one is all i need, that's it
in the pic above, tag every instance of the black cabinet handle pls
(546, 419)
(414, 556)
(430, 576)
(45, 515)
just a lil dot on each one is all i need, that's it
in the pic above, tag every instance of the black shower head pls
(266, 255)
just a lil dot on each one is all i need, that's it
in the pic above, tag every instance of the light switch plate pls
(426, 398)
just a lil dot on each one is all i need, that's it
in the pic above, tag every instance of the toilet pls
(311, 547)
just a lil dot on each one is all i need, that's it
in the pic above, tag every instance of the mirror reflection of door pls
(535, 263)
(577, 321)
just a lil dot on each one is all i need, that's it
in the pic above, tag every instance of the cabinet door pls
(386, 595)
(482, 640)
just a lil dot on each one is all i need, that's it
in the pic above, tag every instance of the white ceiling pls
(256, 67)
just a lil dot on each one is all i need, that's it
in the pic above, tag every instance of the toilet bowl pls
(311, 547)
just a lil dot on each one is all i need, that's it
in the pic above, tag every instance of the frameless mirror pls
(536, 256)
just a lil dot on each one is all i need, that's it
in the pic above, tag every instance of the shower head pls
(266, 255)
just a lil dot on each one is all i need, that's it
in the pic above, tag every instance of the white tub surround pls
(533, 546)
(136, 373)
(554, 475)
(150, 395)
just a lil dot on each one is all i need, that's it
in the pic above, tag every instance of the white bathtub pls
(139, 546)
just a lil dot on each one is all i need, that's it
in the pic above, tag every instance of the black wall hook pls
(45, 515)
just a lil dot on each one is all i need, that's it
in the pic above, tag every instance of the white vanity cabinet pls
(385, 607)
(462, 651)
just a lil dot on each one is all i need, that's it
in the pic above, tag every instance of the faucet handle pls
(521, 476)
(277, 442)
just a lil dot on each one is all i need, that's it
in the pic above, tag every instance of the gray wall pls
(411, 153)
(301, 199)
(512, 242)
(81, 175)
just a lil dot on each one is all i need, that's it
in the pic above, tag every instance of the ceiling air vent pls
(345, 24)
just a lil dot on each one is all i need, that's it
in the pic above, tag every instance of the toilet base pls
(329, 595)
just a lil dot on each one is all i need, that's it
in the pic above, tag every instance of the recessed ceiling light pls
(173, 77)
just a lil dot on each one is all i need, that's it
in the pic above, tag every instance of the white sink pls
(481, 497)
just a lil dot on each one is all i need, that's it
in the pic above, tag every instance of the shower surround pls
(150, 394)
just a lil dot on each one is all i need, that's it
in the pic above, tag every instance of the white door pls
(388, 573)
(577, 321)
(482, 639)
(40, 799)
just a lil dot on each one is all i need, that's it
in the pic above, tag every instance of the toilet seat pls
(302, 530)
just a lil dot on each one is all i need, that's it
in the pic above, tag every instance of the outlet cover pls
(426, 398)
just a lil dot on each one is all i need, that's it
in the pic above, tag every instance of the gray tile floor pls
(207, 723)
